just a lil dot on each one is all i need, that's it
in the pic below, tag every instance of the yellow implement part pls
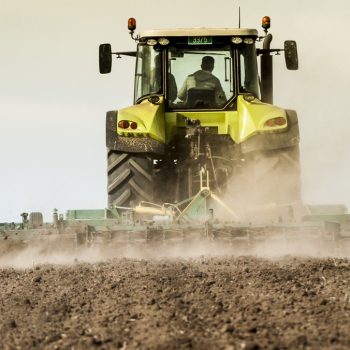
(153, 211)
(183, 213)
(218, 200)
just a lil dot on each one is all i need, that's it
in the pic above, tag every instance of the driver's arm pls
(219, 93)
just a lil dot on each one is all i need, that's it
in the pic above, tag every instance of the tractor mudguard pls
(129, 144)
(265, 142)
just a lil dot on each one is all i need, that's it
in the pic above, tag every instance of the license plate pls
(200, 40)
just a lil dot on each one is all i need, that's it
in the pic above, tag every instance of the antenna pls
(239, 17)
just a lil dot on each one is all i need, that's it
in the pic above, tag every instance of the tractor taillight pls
(280, 121)
(266, 22)
(124, 124)
(276, 121)
(270, 122)
(132, 24)
(133, 125)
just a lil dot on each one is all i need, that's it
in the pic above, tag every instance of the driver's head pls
(207, 63)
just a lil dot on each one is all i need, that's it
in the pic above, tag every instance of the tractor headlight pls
(248, 41)
(151, 42)
(249, 97)
(163, 41)
(236, 40)
(154, 100)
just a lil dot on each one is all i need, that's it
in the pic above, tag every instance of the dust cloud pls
(268, 192)
(30, 256)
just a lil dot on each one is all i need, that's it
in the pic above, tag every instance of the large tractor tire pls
(274, 176)
(130, 178)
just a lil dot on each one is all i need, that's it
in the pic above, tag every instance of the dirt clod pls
(37, 279)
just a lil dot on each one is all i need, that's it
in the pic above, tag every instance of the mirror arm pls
(268, 51)
(127, 53)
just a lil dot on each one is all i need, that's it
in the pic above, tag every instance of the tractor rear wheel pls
(130, 178)
(274, 176)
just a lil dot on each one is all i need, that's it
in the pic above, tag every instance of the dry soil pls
(226, 302)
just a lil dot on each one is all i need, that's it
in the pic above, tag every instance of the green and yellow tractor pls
(203, 118)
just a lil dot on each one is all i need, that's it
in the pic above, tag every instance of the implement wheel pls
(130, 178)
(274, 176)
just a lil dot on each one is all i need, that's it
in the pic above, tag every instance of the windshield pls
(249, 79)
(201, 76)
(148, 76)
(198, 77)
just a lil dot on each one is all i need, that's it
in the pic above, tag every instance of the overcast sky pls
(53, 99)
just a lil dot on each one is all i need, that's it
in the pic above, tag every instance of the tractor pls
(203, 118)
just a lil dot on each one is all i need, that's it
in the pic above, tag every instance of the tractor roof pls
(181, 32)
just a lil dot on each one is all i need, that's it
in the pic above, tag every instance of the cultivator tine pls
(100, 238)
(119, 238)
(136, 238)
(173, 236)
(256, 235)
(249, 236)
(192, 234)
(180, 236)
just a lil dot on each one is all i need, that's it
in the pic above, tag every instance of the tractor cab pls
(201, 68)
(206, 71)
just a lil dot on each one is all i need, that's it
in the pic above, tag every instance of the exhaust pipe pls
(266, 68)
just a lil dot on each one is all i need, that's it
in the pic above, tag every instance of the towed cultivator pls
(326, 228)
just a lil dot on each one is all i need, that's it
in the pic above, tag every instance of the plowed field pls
(225, 302)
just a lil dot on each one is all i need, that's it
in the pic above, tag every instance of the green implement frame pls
(167, 226)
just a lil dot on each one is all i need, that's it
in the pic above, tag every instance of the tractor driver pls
(203, 79)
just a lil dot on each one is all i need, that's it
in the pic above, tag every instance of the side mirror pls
(105, 58)
(291, 54)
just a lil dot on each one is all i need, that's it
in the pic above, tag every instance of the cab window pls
(249, 79)
(148, 75)
(202, 77)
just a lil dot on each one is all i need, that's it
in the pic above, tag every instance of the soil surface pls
(227, 302)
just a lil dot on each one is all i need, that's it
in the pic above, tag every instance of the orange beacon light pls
(132, 24)
(266, 22)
